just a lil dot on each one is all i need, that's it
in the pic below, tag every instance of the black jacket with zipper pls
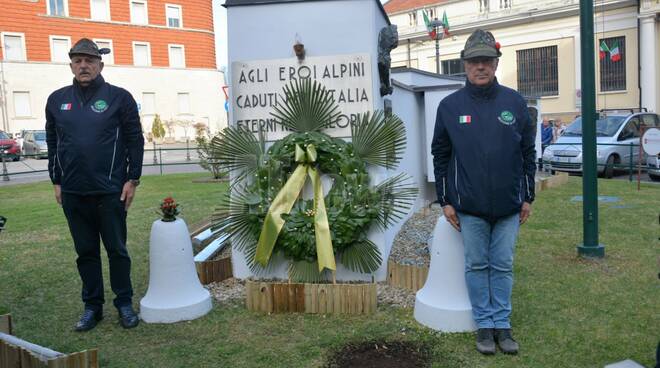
(94, 137)
(483, 151)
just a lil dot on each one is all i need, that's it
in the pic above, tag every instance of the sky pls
(220, 29)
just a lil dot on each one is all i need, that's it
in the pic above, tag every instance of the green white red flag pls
(445, 23)
(603, 50)
(429, 28)
(615, 53)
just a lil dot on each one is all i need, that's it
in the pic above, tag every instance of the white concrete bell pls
(443, 303)
(175, 293)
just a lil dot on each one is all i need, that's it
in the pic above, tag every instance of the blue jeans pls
(489, 250)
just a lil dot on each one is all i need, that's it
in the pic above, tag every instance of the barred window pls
(612, 64)
(453, 67)
(538, 71)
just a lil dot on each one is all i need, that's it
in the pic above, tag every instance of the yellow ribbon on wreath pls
(283, 203)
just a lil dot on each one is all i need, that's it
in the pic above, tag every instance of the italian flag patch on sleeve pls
(465, 119)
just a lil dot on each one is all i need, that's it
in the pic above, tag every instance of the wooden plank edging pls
(281, 297)
(406, 276)
(214, 271)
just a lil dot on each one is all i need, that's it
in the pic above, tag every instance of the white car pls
(617, 139)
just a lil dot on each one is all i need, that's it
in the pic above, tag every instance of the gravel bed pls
(229, 290)
(396, 297)
(410, 245)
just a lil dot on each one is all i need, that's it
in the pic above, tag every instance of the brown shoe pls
(485, 341)
(505, 341)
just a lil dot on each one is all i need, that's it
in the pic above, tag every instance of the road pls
(173, 157)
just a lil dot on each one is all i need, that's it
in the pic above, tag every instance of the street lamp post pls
(590, 246)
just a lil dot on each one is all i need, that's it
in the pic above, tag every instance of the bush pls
(206, 155)
(157, 129)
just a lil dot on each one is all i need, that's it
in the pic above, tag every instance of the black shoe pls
(127, 316)
(505, 341)
(485, 341)
(88, 320)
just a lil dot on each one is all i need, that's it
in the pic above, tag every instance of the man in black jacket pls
(95, 149)
(483, 157)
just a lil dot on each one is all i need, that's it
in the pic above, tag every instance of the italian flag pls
(465, 119)
(429, 28)
(615, 54)
(603, 50)
(445, 23)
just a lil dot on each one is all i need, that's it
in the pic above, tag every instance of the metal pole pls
(187, 150)
(639, 160)
(437, 53)
(5, 174)
(590, 246)
(630, 164)
(155, 159)
(160, 155)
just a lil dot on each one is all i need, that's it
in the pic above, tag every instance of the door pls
(629, 134)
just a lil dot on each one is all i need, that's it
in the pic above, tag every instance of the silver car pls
(617, 138)
(34, 144)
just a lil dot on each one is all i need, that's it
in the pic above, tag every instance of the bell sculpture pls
(443, 303)
(174, 293)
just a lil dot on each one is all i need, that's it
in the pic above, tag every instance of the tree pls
(185, 124)
(200, 130)
(157, 129)
(170, 124)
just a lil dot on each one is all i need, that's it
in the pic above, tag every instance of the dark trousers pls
(91, 219)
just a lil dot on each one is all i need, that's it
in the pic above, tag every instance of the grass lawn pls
(567, 312)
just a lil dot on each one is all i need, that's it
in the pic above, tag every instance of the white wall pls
(41, 79)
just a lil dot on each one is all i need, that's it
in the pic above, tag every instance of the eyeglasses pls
(480, 60)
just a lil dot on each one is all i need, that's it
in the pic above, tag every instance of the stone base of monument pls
(443, 303)
(281, 297)
(175, 293)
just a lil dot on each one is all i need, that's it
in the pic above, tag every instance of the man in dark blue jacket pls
(95, 149)
(483, 157)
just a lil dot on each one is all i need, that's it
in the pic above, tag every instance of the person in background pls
(546, 134)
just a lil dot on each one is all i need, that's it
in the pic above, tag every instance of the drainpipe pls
(639, 54)
(3, 95)
(408, 47)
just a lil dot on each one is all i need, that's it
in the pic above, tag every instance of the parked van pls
(615, 131)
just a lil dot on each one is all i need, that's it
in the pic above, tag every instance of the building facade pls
(540, 44)
(163, 52)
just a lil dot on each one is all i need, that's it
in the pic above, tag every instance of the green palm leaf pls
(308, 107)
(304, 271)
(237, 149)
(362, 257)
(378, 139)
(398, 194)
(236, 217)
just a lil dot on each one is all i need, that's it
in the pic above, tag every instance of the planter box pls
(554, 181)
(214, 271)
(15, 352)
(406, 276)
(279, 297)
